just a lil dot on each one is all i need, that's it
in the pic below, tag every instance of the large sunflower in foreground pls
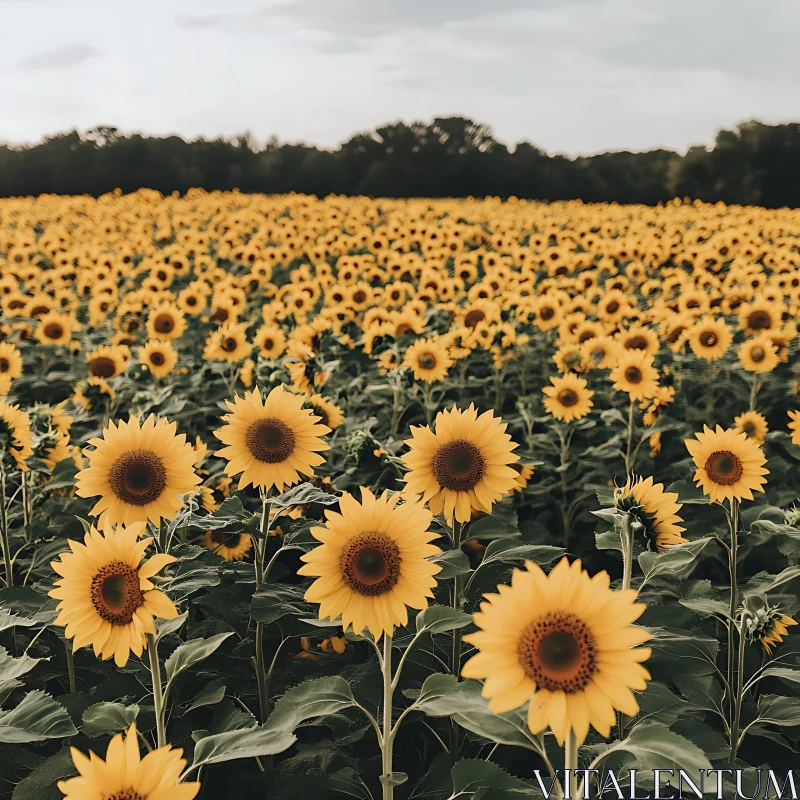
(569, 397)
(140, 473)
(372, 562)
(271, 442)
(565, 642)
(464, 465)
(655, 509)
(729, 465)
(126, 776)
(107, 599)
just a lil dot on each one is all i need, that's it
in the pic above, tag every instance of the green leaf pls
(445, 696)
(673, 560)
(708, 607)
(13, 668)
(302, 495)
(452, 562)
(314, 698)
(41, 783)
(608, 540)
(688, 493)
(164, 627)
(394, 779)
(779, 710)
(502, 550)
(500, 524)
(438, 619)
(654, 746)
(277, 601)
(230, 514)
(192, 652)
(763, 583)
(10, 620)
(36, 718)
(103, 719)
(470, 776)
(208, 696)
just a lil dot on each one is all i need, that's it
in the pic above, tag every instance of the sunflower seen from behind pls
(565, 644)
(106, 598)
(124, 775)
(140, 472)
(569, 398)
(372, 564)
(461, 465)
(729, 465)
(656, 511)
(271, 441)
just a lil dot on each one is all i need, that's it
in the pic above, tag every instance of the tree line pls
(754, 164)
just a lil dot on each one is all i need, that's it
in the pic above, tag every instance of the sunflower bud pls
(763, 623)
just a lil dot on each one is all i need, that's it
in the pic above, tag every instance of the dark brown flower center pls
(115, 593)
(633, 375)
(558, 652)
(474, 317)
(759, 320)
(749, 429)
(724, 467)
(708, 338)
(138, 477)
(427, 361)
(157, 359)
(220, 315)
(4, 365)
(567, 397)
(268, 344)
(164, 323)
(320, 412)
(226, 538)
(402, 328)
(758, 354)
(547, 313)
(103, 367)
(636, 343)
(126, 794)
(229, 344)
(612, 307)
(459, 466)
(53, 330)
(270, 440)
(370, 564)
(360, 296)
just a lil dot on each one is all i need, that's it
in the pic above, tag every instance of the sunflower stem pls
(570, 765)
(158, 697)
(626, 539)
(565, 516)
(70, 667)
(455, 657)
(628, 454)
(734, 529)
(737, 713)
(387, 740)
(259, 555)
(755, 387)
(4, 529)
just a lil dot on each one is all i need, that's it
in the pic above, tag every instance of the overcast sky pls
(573, 77)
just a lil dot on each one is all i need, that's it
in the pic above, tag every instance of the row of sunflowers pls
(395, 498)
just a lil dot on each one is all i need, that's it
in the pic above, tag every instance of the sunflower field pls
(361, 498)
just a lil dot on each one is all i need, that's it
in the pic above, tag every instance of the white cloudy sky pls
(574, 76)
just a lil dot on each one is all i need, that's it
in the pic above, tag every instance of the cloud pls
(72, 55)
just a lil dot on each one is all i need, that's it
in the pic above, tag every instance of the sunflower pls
(54, 328)
(107, 361)
(635, 374)
(159, 357)
(231, 545)
(166, 322)
(794, 426)
(328, 412)
(372, 562)
(774, 630)
(729, 465)
(753, 425)
(106, 597)
(15, 434)
(710, 338)
(140, 473)
(524, 475)
(566, 643)
(10, 361)
(429, 360)
(228, 343)
(600, 352)
(759, 316)
(270, 442)
(568, 398)
(126, 776)
(759, 354)
(655, 509)
(465, 464)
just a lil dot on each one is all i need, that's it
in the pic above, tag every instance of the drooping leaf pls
(438, 619)
(210, 695)
(673, 560)
(452, 562)
(303, 495)
(779, 710)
